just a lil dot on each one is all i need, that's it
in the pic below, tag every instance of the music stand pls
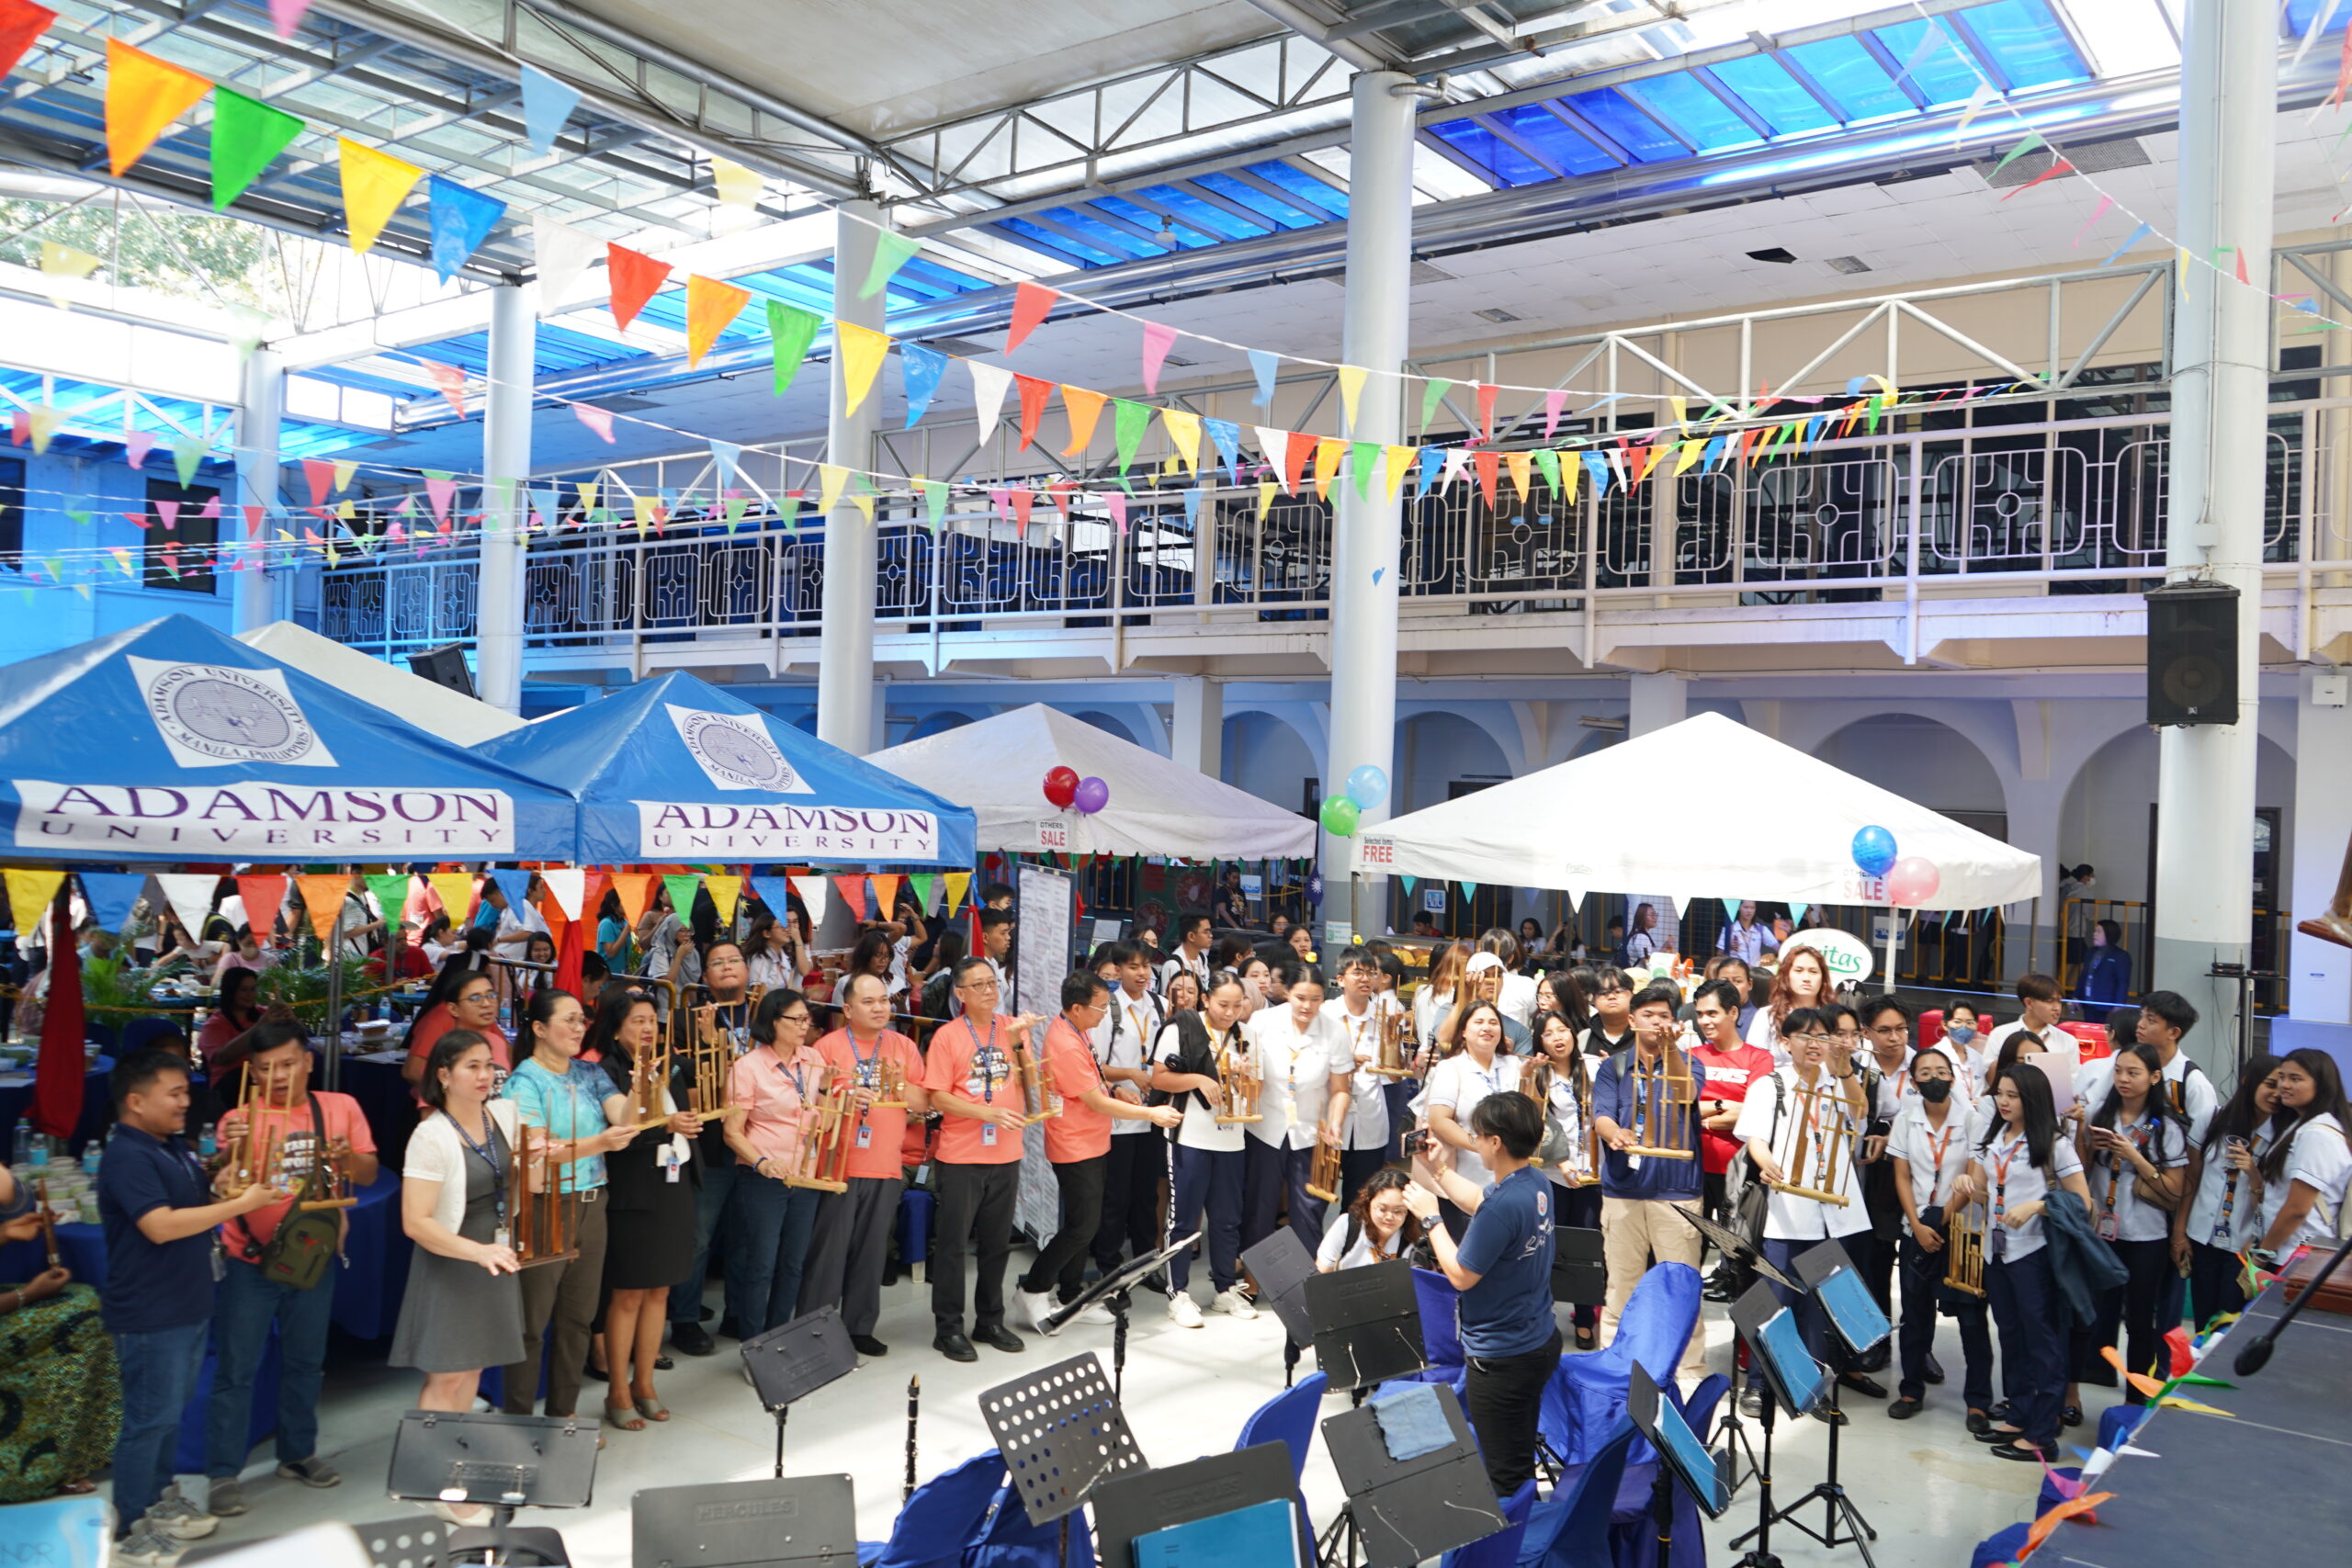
(408, 1540)
(1060, 1429)
(794, 1360)
(745, 1524)
(1282, 1266)
(1739, 1254)
(1684, 1456)
(1859, 1326)
(1777, 1350)
(1403, 1512)
(1580, 1270)
(1113, 1288)
(504, 1461)
(1126, 1507)
(1367, 1324)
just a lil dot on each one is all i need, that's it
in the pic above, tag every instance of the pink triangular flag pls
(451, 382)
(252, 521)
(1117, 502)
(169, 511)
(287, 15)
(440, 492)
(596, 419)
(1158, 340)
(136, 445)
(1554, 401)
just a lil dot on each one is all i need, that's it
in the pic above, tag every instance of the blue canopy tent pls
(170, 741)
(676, 771)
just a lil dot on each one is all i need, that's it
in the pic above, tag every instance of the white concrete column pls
(1364, 552)
(1199, 738)
(2319, 973)
(259, 413)
(846, 704)
(2220, 389)
(1658, 701)
(506, 468)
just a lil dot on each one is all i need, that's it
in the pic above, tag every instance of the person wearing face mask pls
(1963, 1044)
(1930, 1146)
(1306, 1073)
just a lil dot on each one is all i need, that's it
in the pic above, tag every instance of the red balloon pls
(1061, 786)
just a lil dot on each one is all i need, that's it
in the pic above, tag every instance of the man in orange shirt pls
(1077, 1142)
(972, 1084)
(851, 1247)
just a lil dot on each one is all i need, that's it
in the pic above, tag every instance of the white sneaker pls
(1097, 1313)
(1182, 1311)
(1234, 1303)
(145, 1548)
(175, 1517)
(1036, 1305)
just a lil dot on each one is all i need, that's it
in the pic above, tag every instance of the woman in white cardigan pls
(463, 1310)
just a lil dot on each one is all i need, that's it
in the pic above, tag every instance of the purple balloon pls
(1093, 795)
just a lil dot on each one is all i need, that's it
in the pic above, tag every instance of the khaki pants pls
(1634, 1231)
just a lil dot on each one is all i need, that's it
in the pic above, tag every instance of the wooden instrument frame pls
(1237, 1071)
(1591, 1176)
(542, 1220)
(891, 1082)
(828, 1130)
(1964, 1251)
(1836, 1141)
(328, 1173)
(1667, 1089)
(1323, 1172)
(48, 1225)
(1039, 1099)
(648, 1078)
(710, 1056)
(1396, 1032)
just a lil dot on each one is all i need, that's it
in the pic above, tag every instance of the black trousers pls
(1061, 1263)
(2214, 1276)
(1921, 1271)
(1502, 1396)
(2134, 1308)
(849, 1249)
(972, 1195)
(1273, 1184)
(1132, 1173)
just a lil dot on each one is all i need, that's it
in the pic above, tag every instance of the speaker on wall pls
(2193, 654)
(445, 666)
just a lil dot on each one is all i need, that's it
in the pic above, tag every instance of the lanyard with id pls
(1996, 1244)
(488, 1150)
(866, 1073)
(986, 1062)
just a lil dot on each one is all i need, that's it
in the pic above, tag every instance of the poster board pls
(1041, 961)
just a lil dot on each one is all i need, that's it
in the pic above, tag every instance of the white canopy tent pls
(998, 766)
(450, 714)
(1650, 814)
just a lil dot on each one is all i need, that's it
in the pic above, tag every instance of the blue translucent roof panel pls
(1290, 215)
(1188, 237)
(1618, 119)
(2027, 42)
(1497, 159)
(1058, 243)
(1771, 94)
(296, 437)
(1313, 192)
(1190, 209)
(1699, 117)
(1857, 85)
(1555, 138)
(557, 350)
(1108, 237)
(1942, 75)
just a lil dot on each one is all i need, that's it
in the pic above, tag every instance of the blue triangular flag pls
(1469, 890)
(547, 104)
(1377, 574)
(462, 219)
(773, 890)
(920, 367)
(1856, 384)
(110, 895)
(1192, 505)
(1228, 436)
(1714, 452)
(516, 885)
(1598, 467)
(1432, 459)
(1813, 427)
(724, 455)
(547, 504)
(1265, 362)
(2130, 239)
(1409, 882)
(1731, 907)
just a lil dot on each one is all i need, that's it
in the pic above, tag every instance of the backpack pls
(300, 1252)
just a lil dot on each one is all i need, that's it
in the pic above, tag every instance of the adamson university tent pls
(1651, 815)
(677, 771)
(998, 768)
(170, 741)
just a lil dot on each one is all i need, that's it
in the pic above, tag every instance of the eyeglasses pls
(794, 1018)
(978, 986)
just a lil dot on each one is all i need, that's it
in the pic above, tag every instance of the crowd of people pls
(1507, 1096)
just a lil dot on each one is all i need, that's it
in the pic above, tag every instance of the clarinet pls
(914, 1410)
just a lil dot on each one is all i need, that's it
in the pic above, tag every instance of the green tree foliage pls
(191, 254)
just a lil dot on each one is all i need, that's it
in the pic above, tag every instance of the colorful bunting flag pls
(374, 186)
(735, 184)
(30, 893)
(1034, 393)
(725, 892)
(564, 256)
(596, 419)
(989, 383)
(921, 368)
(285, 15)
(957, 881)
(547, 104)
(460, 220)
(710, 306)
(1085, 410)
(1032, 302)
(791, 330)
(892, 250)
(21, 25)
(1264, 364)
(862, 352)
(143, 95)
(247, 136)
(633, 888)
(635, 277)
(1129, 422)
(1157, 341)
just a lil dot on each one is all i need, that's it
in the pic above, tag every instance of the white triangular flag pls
(569, 888)
(1455, 459)
(989, 383)
(816, 895)
(190, 896)
(564, 255)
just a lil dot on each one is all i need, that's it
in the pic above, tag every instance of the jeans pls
(241, 1314)
(969, 1195)
(1061, 1262)
(2135, 1307)
(1207, 1181)
(718, 1179)
(1502, 1395)
(2031, 1314)
(1132, 1173)
(849, 1250)
(159, 1371)
(768, 1252)
(1921, 1271)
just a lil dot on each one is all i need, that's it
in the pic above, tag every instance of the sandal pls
(653, 1409)
(1587, 1338)
(623, 1417)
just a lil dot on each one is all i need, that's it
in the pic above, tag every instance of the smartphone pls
(1416, 1141)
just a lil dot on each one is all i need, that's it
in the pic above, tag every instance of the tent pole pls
(334, 994)
(1894, 920)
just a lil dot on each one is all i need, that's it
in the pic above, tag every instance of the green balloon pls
(1340, 816)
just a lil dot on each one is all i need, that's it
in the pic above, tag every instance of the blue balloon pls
(1875, 850)
(1368, 786)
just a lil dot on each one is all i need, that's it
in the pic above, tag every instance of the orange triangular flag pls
(635, 276)
(2041, 1528)
(1033, 394)
(264, 896)
(853, 890)
(710, 305)
(1487, 464)
(1294, 450)
(634, 887)
(1084, 409)
(551, 911)
(1329, 450)
(2145, 1383)
(144, 95)
(886, 894)
(456, 891)
(322, 896)
(1031, 303)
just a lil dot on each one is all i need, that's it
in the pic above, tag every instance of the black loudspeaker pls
(2193, 654)
(445, 666)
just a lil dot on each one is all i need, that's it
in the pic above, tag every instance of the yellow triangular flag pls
(1266, 489)
(456, 891)
(344, 472)
(956, 881)
(144, 95)
(737, 185)
(832, 477)
(1351, 378)
(1690, 450)
(374, 186)
(587, 495)
(643, 507)
(710, 305)
(29, 893)
(44, 421)
(1569, 468)
(1522, 472)
(861, 350)
(63, 261)
(1184, 435)
(724, 892)
(863, 501)
(1682, 412)
(1328, 450)
(1400, 463)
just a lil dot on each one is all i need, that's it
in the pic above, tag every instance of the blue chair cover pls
(1440, 1306)
(1571, 1530)
(1586, 1397)
(2118, 1422)
(1009, 1540)
(942, 1520)
(1633, 1530)
(2002, 1547)
(140, 1031)
(1289, 1417)
(1499, 1549)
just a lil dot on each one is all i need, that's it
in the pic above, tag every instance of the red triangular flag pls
(1031, 303)
(320, 475)
(1021, 500)
(1487, 408)
(635, 276)
(853, 891)
(1296, 450)
(1033, 394)
(20, 24)
(1060, 491)
(1486, 464)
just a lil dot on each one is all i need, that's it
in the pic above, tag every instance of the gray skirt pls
(456, 1317)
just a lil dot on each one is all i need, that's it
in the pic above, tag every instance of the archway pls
(937, 723)
(1265, 756)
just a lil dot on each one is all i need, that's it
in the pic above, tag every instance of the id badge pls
(220, 1261)
(865, 1136)
(2109, 1227)
(499, 1238)
(670, 1171)
(988, 1135)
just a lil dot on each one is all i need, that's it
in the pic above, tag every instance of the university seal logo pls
(216, 715)
(735, 751)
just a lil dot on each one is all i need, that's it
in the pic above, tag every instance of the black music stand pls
(794, 1360)
(1367, 1324)
(504, 1461)
(1684, 1456)
(1740, 1254)
(745, 1524)
(391, 1542)
(1579, 1269)
(1282, 1266)
(1113, 1288)
(1138, 1503)
(1060, 1430)
(1859, 1324)
(1403, 1512)
(1774, 1350)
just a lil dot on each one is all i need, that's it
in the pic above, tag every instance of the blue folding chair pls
(940, 1520)
(1499, 1549)
(1571, 1530)
(1290, 1417)
(1440, 1306)
(1586, 1395)
(1009, 1540)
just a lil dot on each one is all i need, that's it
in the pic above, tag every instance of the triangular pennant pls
(1085, 410)
(920, 883)
(1129, 422)
(1410, 883)
(1351, 380)
(710, 306)
(30, 896)
(462, 219)
(1522, 472)
(791, 330)
(264, 897)
(831, 480)
(391, 892)
(1228, 436)
(547, 104)
(1034, 393)
(1297, 446)
(1487, 408)
(814, 897)
(567, 886)
(957, 881)
(1183, 436)
(989, 383)
(934, 501)
(892, 250)
(322, 896)
(735, 184)
(1433, 392)
(111, 895)
(772, 890)
(862, 352)
(725, 892)
(515, 886)
(682, 890)
(21, 25)
(596, 419)
(190, 896)
(456, 891)
(921, 368)
(1158, 340)
(144, 95)
(635, 276)
(1553, 402)
(1032, 302)
(633, 888)
(247, 136)
(1264, 364)
(374, 186)
(886, 894)
(136, 445)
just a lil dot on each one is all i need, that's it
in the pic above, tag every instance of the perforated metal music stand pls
(745, 1524)
(1060, 1429)
(794, 1360)
(1403, 1512)
(1367, 1324)
(504, 1461)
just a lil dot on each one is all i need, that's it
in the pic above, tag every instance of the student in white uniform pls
(2040, 1004)
(1303, 1069)
(1803, 1126)
(1376, 1226)
(1559, 1078)
(2304, 1173)
(2135, 1150)
(2021, 1158)
(1358, 1014)
(2224, 1216)
(2165, 1017)
(1209, 1155)
(1139, 1159)
(1477, 1068)
(1933, 1135)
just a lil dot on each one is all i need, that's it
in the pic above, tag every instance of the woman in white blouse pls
(2224, 1212)
(1304, 1068)
(1480, 1068)
(2305, 1172)
(1560, 1079)
(1375, 1228)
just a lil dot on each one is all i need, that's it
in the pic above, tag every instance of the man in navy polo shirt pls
(158, 1214)
(1510, 1342)
(1638, 1103)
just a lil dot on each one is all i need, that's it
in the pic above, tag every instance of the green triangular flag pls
(682, 894)
(1362, 459)
(81, 519)
(934, 501)
(1130, 420)
(892, 250)
(247, 136)
(2033, 140)
(734, 510)
(792, 330)
(1547, 462)
(1432, 393)
(391, 889)
(921, 881)
(187, 453)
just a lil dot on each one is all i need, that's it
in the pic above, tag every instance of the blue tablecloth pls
(16, 1099)
(386, 1101)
